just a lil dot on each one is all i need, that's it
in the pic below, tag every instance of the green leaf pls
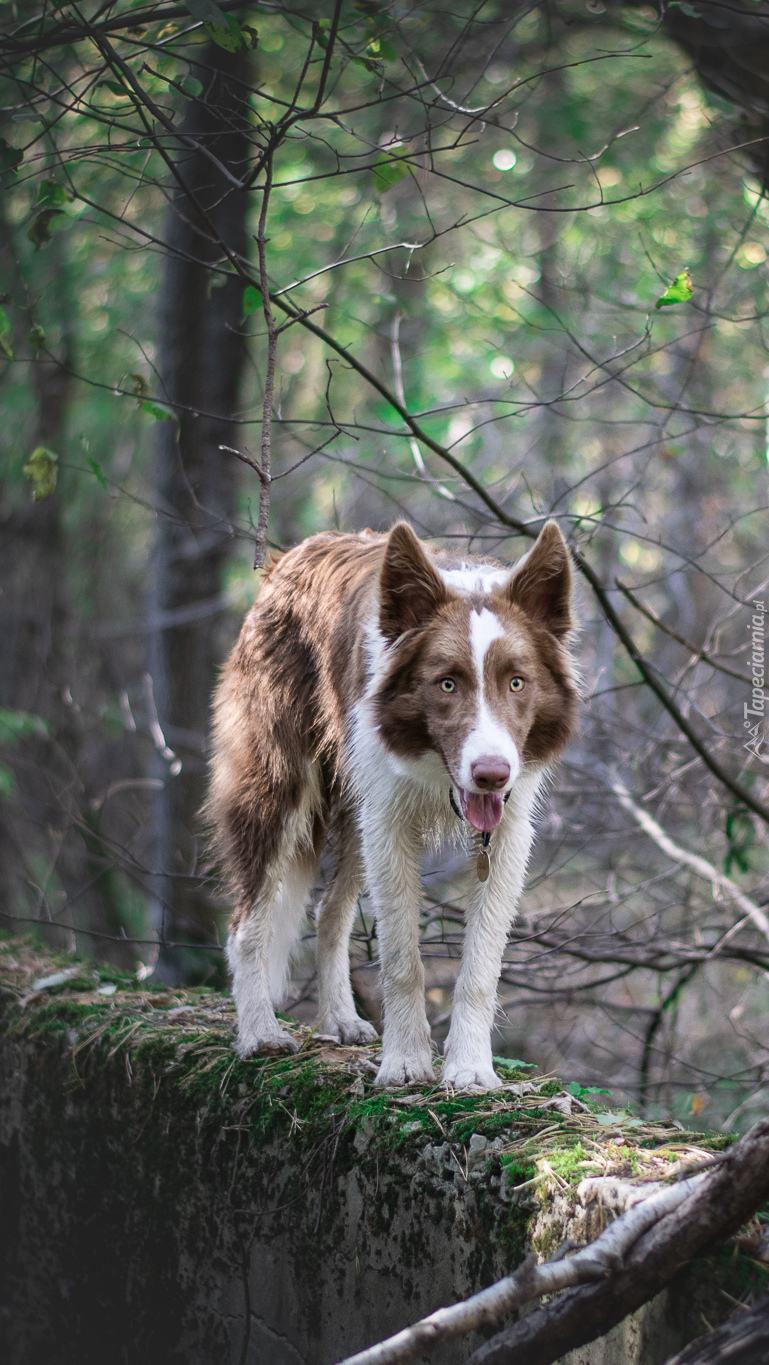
(10, 160)
(159, 414)
(221, 28)
(96, 469)
(6, 333)
(192, 86)
(252, 300)
(228, 35)
(206, 11)
(574, 1088)
(41, 227)
(386, 174)
(380, 49)
(117, 89)
(680, 291)
(52, 195)
(366, 63)
(36, 336)
(15, 724)
(615, 1118)
(512, 1063)
(7, 781)
(40, 469)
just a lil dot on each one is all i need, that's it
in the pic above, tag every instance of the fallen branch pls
(621, 1270)
(532, 1281)
(724, 1199)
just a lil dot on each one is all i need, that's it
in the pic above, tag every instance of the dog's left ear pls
(542, 584)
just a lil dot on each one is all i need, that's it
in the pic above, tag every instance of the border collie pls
(381, 694)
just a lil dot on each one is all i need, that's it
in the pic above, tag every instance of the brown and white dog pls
(375, 686)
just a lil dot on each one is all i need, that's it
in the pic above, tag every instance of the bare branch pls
(723, 1200)
(720, 883)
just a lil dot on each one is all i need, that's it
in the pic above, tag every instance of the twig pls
(693, 649)
(265, 460)
(720, 883)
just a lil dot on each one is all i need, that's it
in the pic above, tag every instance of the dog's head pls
(478, 667)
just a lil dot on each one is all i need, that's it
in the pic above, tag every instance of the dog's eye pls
(516, 684)
(448, 685)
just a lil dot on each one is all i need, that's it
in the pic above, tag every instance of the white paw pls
(353, 1032)
(396, 1071)
(469, 1076)
(270, 1044)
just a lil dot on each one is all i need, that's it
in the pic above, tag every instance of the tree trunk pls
(202, 352)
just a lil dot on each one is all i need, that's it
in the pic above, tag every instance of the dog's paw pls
(469, 1076)
(397, 1071)
(352, 1032)
(273, 1044)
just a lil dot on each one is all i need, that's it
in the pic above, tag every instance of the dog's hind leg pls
(259, 951)
(337, 1015)
(273, 861)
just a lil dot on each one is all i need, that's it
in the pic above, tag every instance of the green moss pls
(567, 1161)
(298, 1097)
(517, 1170)
(164, 1129)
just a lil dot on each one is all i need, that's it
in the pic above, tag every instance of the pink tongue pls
(482, 810)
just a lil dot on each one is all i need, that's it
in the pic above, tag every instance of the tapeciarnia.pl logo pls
(755, 711)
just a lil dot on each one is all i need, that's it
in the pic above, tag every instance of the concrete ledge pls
(162, 1201)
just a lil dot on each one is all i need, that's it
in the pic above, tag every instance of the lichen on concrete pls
(172, 1202)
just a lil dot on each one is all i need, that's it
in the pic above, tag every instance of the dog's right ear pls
(410, 588)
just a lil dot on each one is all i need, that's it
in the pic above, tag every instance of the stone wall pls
(163, 1202)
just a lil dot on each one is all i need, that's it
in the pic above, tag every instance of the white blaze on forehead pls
(474, 578)
(487, 737)
(485, 627)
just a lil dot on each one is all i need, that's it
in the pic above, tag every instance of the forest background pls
(473, 265)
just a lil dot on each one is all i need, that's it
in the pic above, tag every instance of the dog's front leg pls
(468, 1061)
(391, 859)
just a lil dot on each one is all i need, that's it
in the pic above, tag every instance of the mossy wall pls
(162, 1201)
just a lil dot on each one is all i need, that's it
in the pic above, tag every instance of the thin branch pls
(265, 454)
(121, 67)
(693, 649)
(721, 884)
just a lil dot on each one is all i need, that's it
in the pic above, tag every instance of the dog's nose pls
(490, 774)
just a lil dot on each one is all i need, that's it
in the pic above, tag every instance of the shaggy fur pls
(372, 678)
